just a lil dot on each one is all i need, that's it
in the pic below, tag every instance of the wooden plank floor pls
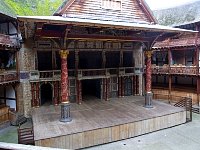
(96, 114)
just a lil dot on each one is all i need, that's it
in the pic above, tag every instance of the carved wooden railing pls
(8, 77)
(82, 73)
(185, 70)
(186, 102)
(160, 69)
(48, 75)
(7, 40)
(26, 136)
(188, 70)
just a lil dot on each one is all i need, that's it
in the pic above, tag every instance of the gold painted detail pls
(65, 102)
(64, 54)
(148, 54)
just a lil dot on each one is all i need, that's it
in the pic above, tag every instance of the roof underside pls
(102, 23)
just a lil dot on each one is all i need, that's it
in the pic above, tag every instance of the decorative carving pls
(148, 54)
(64, 54)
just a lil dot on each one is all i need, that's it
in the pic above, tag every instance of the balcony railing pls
(7, 77)
(48, 75)
(85, 73)
(8, 40)
(187, 70)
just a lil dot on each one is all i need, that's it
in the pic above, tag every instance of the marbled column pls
(65, 104)
(149, 94)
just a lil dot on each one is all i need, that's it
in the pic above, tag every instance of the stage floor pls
(95, 114)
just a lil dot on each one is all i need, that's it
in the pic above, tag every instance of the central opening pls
(46, 94)
(91, 89)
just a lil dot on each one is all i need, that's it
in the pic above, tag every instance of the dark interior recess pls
(91, 88)
(90, 60)
(46, 94)
(112, 59)
(44, 60)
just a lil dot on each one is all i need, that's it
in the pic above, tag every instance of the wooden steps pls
(25, 136)
(17, 119)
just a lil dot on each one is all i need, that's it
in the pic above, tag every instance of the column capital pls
(64, 54)
(148, 53)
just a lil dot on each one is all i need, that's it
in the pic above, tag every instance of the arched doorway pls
(128, 87)
(46, 94)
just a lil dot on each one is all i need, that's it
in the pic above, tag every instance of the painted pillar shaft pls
(148, 72)
(119, 87)
(64, 77)
(122, 86)
(79, 94)
(56, 97)
(33, 94)
(37, 102)
(149, 94)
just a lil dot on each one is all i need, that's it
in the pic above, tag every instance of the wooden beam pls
(108, 37)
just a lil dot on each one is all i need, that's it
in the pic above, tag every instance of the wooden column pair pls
(35, 90)
(106, 88)
(56, 90)
(65, 104)
(121, 87)
(149, 94)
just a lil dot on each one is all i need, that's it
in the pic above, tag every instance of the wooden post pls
(119, 87)
(65, 104)
(107, 88)
(198, 90)
(78, 85)
(122, 86)
(149, 94)
(37, 99)
(170, 77)
(170, 88)
(17, 64)
(121, 59)
(56, 90)
(33, 94)
(79, 91)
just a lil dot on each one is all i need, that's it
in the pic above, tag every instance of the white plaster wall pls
(10, 93)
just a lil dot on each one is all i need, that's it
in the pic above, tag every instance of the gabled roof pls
(132, 10)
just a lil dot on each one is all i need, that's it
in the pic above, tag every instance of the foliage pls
(31, 7)
(179, 15)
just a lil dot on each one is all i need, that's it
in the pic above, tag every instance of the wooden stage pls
(97, 122)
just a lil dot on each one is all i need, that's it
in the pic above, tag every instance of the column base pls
(148, 100)
(65, 113)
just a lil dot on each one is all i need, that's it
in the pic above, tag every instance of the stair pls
(17, 119)
(196, 109)
(186, 103)
(25, 136)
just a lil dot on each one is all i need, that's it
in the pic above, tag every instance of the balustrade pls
(8, 77)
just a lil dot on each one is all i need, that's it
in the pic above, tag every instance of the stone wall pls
(26, 64)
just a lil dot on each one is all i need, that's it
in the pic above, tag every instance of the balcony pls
(184, 70)
(8, 77)
(54, 75)
(175, 69)
(49, 75)
(8, 41)
(160, 69)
